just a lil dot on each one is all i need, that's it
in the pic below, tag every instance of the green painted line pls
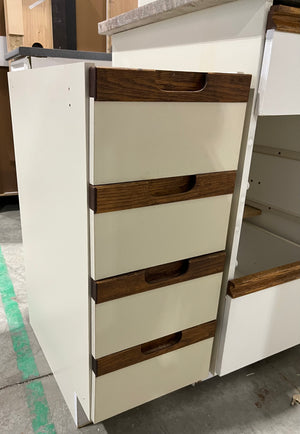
(36, 400)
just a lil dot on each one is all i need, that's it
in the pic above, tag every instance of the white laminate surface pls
(49, 116)
(135, 141)
(133, 320)
(138, 238)
(126, 388)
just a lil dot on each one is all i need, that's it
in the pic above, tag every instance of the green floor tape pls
(36, 400)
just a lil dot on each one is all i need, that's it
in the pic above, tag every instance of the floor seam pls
(26, 381)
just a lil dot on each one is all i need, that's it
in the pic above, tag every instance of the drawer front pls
(136, 141)
(134, 385)
(133, 239)
(125, 322)
(263, 311)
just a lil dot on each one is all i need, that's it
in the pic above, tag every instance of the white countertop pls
(153, 12)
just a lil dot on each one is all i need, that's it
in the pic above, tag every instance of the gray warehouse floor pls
(255, 399)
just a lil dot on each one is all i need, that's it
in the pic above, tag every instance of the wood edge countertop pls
(153, 12)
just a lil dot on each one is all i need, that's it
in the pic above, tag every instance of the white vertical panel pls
(279, 89)
(49, 114)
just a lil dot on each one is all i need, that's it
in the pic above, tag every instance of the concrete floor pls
(255, 399)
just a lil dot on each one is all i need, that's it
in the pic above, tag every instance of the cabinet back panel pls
(275, 181)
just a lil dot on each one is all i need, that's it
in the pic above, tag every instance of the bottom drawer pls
(134, 385)
(263, 316)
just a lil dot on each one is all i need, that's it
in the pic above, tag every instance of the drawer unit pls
(151, 370)
(134, 188)
(165, 124)
(154, 302)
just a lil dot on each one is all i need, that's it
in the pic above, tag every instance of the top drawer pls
(156, 124)
(279, 88)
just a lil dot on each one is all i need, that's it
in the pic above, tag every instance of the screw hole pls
(258, 182)
(69, 105)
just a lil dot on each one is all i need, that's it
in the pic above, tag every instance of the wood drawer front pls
(137, 141)
(156, 277)
(134, 239)
(121, 84)
(261, 324)
(127, 195)
(129, 387)
(124, 323)
(279, 88)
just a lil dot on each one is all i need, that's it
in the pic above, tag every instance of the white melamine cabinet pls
(125, 197)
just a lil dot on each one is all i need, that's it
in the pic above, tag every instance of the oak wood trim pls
(263, 279)
(284, 19)
(136, 194)
(156, 277)
(120, 84)
(155, 348)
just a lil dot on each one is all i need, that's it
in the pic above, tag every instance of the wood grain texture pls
(284, 19)
(156, 277)
(2, 19)
(155, 348)
(114, 8)
(8, 178)
(251, 211)
(88, 14)
(118, 84)
(38, 24)
(136, 194)
(13, 17)
(263, 279)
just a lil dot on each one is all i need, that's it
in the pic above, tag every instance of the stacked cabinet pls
(135, 174)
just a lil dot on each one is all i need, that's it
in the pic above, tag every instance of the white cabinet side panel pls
(49, 114)
(261, 324)
(279, 90)
(281, 132)
(226, 38)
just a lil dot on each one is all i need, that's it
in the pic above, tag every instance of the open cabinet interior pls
(270, 237)
(262, 306)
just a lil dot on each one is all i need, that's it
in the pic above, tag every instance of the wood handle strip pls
(284, 19)
(120, 84)
(146, 351)
(156, 277)
(128, 195)
(263, 279)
